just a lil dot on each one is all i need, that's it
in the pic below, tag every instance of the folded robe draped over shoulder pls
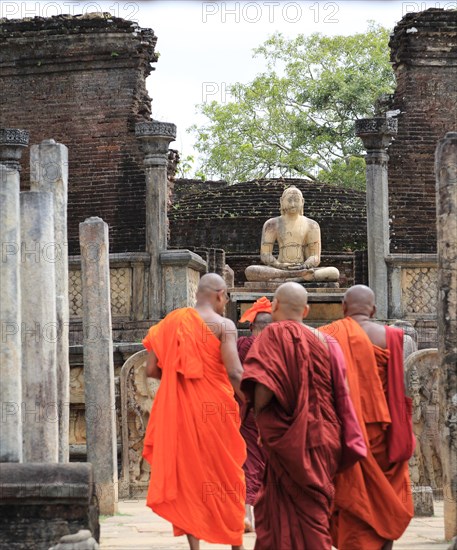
(301, 435)
(373, 502)
(192, 441)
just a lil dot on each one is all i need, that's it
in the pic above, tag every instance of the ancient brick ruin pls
(81, 81)
(424, 57)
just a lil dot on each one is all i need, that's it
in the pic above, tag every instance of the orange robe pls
(193, 440)
(373, 502)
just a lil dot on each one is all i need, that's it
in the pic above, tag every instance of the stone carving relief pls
(75, 293)
(422, 375)
(193, 280)
(121, 290)
(419, 290)
(14, 136)
(137, 395)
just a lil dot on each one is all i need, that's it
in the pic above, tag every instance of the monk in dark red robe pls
(287, 378)
(373, 503)
(258, 316)
(193, 441)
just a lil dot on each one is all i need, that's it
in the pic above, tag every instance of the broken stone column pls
(98, 361)
(376, 134)
(49, 172)
(12, 142)
(155, 138)
(446, 201)
(38, 328)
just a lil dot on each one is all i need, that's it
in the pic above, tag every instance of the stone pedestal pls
(38, 329)
(446, 200)
(423, 501)
(49, 172)
(376, 134)
(181, 270)
(325, 303)
(155, 138)
(272, 286)
(98, 361)
(40, 503)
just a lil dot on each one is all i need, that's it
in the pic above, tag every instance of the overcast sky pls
(206, 45)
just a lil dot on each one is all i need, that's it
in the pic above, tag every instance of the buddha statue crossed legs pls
(299, 241)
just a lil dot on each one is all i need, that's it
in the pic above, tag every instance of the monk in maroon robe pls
(259, 316)
(287, 378)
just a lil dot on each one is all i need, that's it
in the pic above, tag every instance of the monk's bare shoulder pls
(218, 325)
(376, 333)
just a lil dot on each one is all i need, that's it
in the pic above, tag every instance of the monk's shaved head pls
(292, 300)
(359, 299)
(212, 291)
(211, 281)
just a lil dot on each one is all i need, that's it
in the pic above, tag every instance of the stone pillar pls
(446, 200)
(181, 271)
(12, 143)
(49, 172)
(98, 361)
(376, 134)
(155, 138)
(38, 328)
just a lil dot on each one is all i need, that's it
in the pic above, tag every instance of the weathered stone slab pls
(422, 385)
(446, 200)
(82, 540)
(39, 329)
(137, 396)
(98, 361)
(181, 270)
(49, 172)
(10, 317)
(423, 501)
(40, 503)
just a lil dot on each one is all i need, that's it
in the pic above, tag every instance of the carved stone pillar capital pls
(12, 142)
(155, 139)
(376, 134)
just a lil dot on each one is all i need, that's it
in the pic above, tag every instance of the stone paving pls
(137, 528)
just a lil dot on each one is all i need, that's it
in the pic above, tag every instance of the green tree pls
(297, 118)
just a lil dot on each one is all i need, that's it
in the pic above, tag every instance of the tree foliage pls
(296, 119)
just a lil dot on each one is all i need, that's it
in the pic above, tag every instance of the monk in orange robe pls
(287, 378)
(373, 502)
(193, 441)
(259, 317)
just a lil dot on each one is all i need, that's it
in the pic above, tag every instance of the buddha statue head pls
(292, 201)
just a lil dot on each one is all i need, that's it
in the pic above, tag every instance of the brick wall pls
(424, 56)
(81, 81)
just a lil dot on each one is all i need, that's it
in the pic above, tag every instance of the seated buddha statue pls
(299, 241)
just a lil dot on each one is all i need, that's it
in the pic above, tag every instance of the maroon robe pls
(301, 435)
(255, 461)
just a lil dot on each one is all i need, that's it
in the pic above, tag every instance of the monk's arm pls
(230, 356)
(152, 369)
(312, 250)
(262, 396)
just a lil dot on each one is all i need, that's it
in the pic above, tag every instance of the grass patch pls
(103, 517)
